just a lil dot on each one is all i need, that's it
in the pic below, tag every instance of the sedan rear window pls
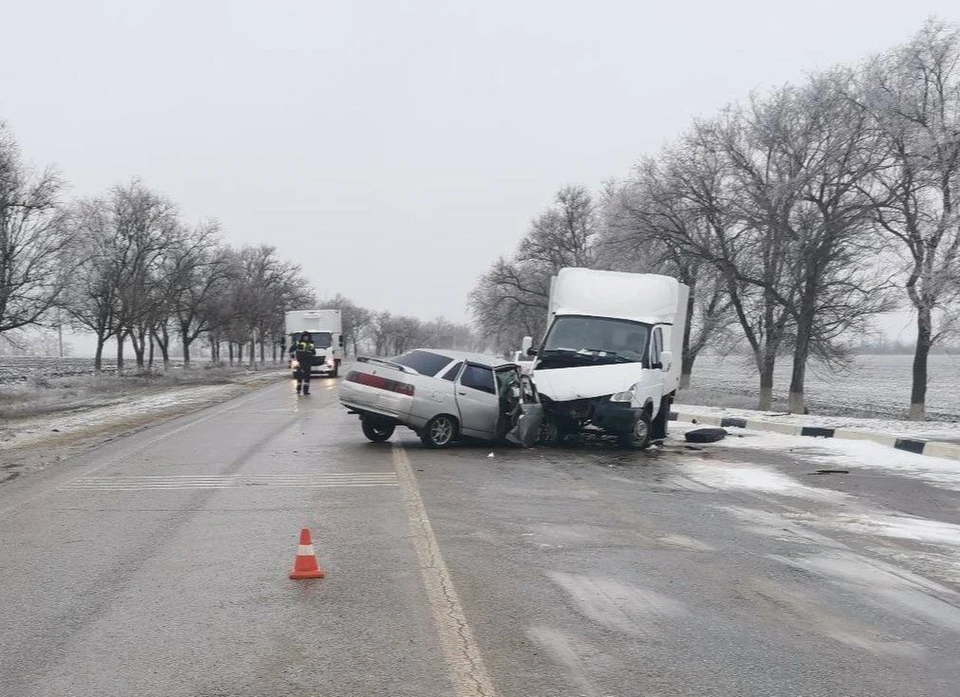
(424, 362)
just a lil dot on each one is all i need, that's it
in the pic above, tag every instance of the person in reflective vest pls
(303, 352)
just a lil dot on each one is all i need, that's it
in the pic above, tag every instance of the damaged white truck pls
(609, 363)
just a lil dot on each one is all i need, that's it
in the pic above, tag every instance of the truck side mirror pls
(666, 360)
(526, 344)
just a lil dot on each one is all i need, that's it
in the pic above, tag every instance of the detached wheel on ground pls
(377, 431)
(704, 435)
(439, 432)
(638, 437)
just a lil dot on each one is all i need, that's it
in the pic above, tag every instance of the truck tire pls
(377, 431)
(705, 435)
(440, 431)
(638, 437)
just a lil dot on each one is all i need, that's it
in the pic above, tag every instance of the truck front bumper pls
(615, 417)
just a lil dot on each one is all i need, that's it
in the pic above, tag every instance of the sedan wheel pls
(377, 431)
(439, 432)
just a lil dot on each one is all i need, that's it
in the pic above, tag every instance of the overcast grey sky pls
(395, 148)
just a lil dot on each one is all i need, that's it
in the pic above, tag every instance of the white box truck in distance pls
(610, 360)
(327, 331)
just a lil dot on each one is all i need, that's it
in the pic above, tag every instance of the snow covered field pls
(19, 369)
(872, 385)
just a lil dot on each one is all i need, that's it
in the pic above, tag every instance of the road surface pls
(157, 565)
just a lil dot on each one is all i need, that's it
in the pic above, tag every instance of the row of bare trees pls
(126, 267)
(794, 217)
(140, 274)
(386, 334)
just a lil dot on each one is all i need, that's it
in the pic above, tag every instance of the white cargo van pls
(327, 330)
(610, 360)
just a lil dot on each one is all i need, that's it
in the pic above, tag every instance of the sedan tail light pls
(380, 382)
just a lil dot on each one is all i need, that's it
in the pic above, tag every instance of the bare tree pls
(511, 299)
(144, 226)
(33, 239)
(197, 271)
(832, 245)
(913, 95)
(355, 319)
(92, 299)
(632, 239)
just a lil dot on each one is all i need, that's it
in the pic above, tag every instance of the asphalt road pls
(157, 565)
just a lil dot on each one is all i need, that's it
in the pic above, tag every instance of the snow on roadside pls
(38, 430)
(728, 476)
(851, 454)
(928, 430)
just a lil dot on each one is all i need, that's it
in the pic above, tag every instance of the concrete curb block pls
(917, 446)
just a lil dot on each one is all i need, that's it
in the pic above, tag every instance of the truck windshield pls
(575, 340)
(321, 340)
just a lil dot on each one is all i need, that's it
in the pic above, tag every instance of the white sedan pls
(443, 396)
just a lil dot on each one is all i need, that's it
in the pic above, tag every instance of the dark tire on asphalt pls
(638, 438)
(705, 435)
(377, 431)
(440, 431)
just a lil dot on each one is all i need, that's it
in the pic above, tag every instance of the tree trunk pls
(801, 354)
(121, 339)
(918, 392)
(98, 356)
(797, 377)
(139, 347)
(164, 343)
(150, 355)
(239, 353)
(686, 369)
(186, 352)
(230, 351)
(766, 381)
(686, 360)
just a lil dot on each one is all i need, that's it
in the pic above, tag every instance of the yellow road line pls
(466, 666)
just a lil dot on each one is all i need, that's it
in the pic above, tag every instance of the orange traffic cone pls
(305, 565)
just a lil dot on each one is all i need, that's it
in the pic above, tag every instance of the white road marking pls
(282, 481)
(467, 669)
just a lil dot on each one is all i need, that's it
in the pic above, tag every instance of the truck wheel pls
(439, 432)
(550, 433)
(377, 431)
(638, 437)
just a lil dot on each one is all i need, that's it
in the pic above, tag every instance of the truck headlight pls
(622, 397)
